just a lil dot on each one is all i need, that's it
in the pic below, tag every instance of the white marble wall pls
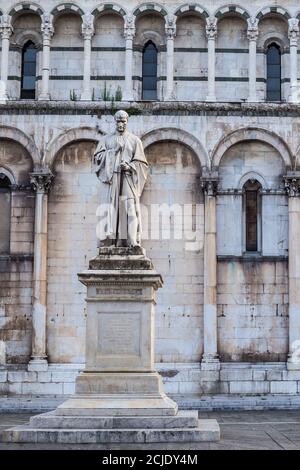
(232, 44)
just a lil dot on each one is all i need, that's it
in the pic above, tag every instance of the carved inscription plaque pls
(119, 333)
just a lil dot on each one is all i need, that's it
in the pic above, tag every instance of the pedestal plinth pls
(119, 377)
(119, 396)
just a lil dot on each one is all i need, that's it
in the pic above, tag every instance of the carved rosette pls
(211, 28)
(129, 27)
(41, 181)
(252, 31)
(6, 28)
(87, 27)
(292, 185)
(209, 184)
(47, 28)
(170, 26)
(293, 31)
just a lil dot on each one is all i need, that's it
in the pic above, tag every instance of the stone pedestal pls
(119, 396)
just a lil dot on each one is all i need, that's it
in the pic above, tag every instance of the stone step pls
(184, 419)
(207, 430)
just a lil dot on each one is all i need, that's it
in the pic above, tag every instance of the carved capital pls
(293, 31)
(211, 27)
(41, 180)
(129, 27)
(209, 184)
(6, 28)
(87, 27)
(47, 28)
(292, 184)
(252, 31)
(170, 26)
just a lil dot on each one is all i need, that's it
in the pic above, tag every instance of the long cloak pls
(107, 167)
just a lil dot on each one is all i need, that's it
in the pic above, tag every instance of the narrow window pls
(273, 73)
(28, 71)
(252, 215)
(149, 72)
(4, 214)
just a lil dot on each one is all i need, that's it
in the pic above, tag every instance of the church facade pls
(213, 91)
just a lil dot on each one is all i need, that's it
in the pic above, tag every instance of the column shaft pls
(45, 70)
(170, 68)
(47, 32)
(86, 94)
(128, 95)
(129, 32)
(5, 30)
(210, 349)
(38, 361)
(87, 32)
(211, 32)
(294, 96)
(252, 33)
(292, 184)
(170, 28)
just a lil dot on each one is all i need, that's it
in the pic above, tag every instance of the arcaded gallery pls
(212, 98)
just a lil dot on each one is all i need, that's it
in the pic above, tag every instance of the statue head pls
(121, 118)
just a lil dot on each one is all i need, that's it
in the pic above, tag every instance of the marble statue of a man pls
(121, 165)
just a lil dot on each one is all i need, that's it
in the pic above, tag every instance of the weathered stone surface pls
(183, 419)
(206, 430)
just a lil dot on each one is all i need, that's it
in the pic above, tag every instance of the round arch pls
(297, 157)
(273, 9)
(150, 7)
(232, 9)
(180, 136)
(255, 176)
(22, 8)
(67, 137)
(109, 7)
(65, 8)
(12, 133)
(28, 35)
(254, 133)
(5, 171)
(191, 8)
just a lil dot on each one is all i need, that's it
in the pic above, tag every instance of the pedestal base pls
(119, 396)
(38, 365)
(126, 431)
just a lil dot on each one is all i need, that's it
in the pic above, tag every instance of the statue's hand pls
(124, 166)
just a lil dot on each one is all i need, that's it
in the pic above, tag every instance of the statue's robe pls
(107, 167)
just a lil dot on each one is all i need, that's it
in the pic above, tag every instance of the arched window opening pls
(5, 207)
(28, 71)
(149, 72)
(273, 73)
(252, 211)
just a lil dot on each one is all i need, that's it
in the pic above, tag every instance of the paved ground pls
(241, 430)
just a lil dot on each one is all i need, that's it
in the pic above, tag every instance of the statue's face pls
(121, 125)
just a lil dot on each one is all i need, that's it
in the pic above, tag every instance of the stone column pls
(210, 360)
(252, 34)
(294, 96)
(292, 184)
(170, 28)
(41, 181)
(129, 32)
(5, 31)
(211, 34)
(47, 33)
(87, 32)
